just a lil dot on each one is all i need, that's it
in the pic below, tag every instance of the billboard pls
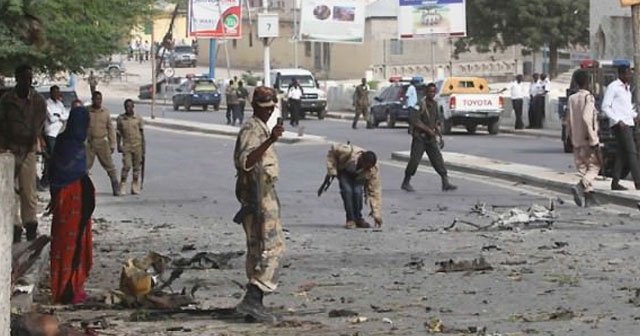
(424, 18)
(220, 19)
(339, 21)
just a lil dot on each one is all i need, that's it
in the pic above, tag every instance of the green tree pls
(57, 35)
(494, 25)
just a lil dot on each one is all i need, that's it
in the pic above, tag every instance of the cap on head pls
(264, 96)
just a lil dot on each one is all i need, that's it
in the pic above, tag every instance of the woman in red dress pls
(72, 204)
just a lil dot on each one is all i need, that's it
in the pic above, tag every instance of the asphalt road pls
(540, 151)
(388, 275)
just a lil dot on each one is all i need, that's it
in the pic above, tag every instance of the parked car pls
(183, 56)
(467, 101)
(389, 107)
(313, 98)
(601, 74)
(68, 95)
(113, 66)
(200, 92)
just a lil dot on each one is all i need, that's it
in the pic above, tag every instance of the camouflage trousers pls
(265, 244)
(588, 165)
(101, 149)
(131, 158)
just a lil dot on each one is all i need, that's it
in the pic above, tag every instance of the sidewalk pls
(216, 129)
(532, 175)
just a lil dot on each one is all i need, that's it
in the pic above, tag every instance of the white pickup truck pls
(467, 101)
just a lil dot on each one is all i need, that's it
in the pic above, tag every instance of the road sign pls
(268, 25)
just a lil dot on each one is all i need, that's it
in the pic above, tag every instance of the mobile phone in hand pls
(279, 122)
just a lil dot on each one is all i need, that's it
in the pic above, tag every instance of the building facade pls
(610, 30)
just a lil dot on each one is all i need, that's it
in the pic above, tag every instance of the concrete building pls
(380, 56)
(610, 30)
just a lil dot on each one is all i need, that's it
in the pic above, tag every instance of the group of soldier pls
(29, 125)
(357, 170)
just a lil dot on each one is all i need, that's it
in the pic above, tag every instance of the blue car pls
(201, 92)
(389, 107)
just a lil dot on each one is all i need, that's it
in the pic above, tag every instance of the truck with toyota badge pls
(468, 102)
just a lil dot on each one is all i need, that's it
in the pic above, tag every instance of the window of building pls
(396, 47)
(307, 49)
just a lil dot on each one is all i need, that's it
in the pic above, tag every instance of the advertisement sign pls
(339, 21)
(424, 18)
(221, 19)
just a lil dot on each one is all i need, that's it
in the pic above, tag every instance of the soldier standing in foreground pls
(131, 145)
(102, 139)
(361, 103)
(425, 124)
(257, 173)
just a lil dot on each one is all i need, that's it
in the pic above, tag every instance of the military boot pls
(17, 234)
(362, 224)
(578, 193)
(115, 187)
(135, 185)
(252, 306)
(446, 185)
(406, 186)
(32, 230)
(123, 186)
(590, 200)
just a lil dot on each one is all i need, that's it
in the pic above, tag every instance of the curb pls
(618, 198)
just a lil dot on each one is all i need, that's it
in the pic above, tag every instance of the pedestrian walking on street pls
(618, 107)
(536, 111)
(130, 139)
(294, 99)
(425, 127)
(57, 115)
(23, 112)
(257, 171)
(361, 103)
(359, 176)
(102, 140)
(231, 95)
(72, 205)
(517, 99)
(243, 95)
(146, 48)
(93, 82)
(583, 129)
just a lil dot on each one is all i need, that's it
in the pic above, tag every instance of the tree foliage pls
(57, 35)
(494, 25)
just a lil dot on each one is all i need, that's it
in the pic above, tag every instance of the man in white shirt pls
(56, 116)
(517, 98)
(294, 99)
(619, 109)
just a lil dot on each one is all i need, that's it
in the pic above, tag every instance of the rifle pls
(143, 163)
(254, 205)
(325, 184)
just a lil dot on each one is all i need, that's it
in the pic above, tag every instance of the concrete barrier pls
(7, 209)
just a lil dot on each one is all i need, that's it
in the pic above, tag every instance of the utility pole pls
(267, 52)
(296, 6)
(154, 70)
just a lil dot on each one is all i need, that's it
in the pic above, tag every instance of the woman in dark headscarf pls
(72, 204)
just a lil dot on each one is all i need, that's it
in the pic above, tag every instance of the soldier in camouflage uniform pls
(22, 116)
(361, 103)
(359, 175)
(257, 173)
(101, 141)
(131, 145)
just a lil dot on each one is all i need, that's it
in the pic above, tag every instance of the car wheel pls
(216, 107)
(193, 65)
(472, 128)
(494, 126)
(204, 107)
(391, 120)
(371, 121)
(114, 72)
(447, 125)
(187, 105)
(176, 106)
(322, 114)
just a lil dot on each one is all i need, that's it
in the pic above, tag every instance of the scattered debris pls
(556, 245)
(511, 219)
(560, 314)
(479, 264)
(491, 247)
(358, 319)
(24, 256)
(342, 313)
(636, 299)
(188, 247)
(380, 310)
(514, 262)
(436, 326)
(209, 260)
(307, 286)
(387, 320)
(416, 263)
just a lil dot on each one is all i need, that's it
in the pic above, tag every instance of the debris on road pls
(475, 265)
(416, 263)
(342, 313)
(560, 314)
(209, 260)
(24, 256)
(536, 216)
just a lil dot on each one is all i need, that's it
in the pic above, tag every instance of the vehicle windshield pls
(183, 49)
(303, 80)
(205, 87)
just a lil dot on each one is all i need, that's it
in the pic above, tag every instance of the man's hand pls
(112, 150)
(119, 149)
(276, 133)
(377, 222)
(440, 141)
